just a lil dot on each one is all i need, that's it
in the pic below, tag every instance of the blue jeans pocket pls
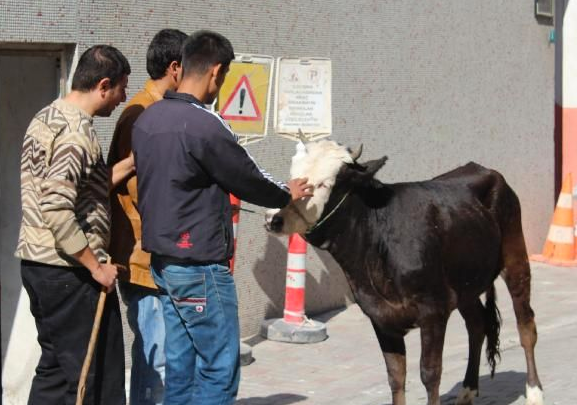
(222, 274)
(188, 293)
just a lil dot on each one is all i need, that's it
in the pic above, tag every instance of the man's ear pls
(103, 85)
(173, 68)
(216, 70)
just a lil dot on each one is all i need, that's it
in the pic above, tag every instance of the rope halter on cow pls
(321, 221)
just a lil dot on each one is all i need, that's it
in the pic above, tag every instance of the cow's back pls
(489, 188)
(444, 235)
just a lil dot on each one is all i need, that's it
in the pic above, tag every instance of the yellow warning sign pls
(243, 98)
(241, 105)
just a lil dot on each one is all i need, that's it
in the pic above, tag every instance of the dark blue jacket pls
(187, 161)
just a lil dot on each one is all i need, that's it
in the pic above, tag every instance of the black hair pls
(204, 49)
(99, 62)
(165, 47)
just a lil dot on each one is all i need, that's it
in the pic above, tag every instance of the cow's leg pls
(517, 276)
(394, 352)
(432, 341)
(473, 314)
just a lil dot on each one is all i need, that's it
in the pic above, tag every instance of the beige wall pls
(431, 84)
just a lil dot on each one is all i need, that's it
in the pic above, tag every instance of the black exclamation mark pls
(242, 93)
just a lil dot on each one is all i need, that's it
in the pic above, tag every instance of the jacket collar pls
(151, 89)
(186, 97)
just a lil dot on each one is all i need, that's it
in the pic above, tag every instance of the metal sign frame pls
(294, 134)
(250, 137)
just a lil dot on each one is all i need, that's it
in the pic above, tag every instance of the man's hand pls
(121, 171)
(106, 275)
(299, 188)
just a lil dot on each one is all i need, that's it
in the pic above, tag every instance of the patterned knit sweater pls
(64, 183)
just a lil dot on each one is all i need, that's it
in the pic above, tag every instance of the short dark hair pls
(99, 62)
(165, 47)
(204, 49)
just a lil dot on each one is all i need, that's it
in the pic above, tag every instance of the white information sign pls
(303, 98)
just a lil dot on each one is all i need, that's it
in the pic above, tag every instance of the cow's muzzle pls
(273, 221)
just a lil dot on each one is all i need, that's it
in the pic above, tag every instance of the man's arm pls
(237, 172)
(104, 273)
(120, 158)
(57, 201)
(120, 171)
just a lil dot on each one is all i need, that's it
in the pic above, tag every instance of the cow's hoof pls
(466, 396)
(534, 396)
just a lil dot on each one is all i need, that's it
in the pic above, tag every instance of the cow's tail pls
(492, 328)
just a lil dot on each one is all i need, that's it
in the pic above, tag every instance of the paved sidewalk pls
(348, 369)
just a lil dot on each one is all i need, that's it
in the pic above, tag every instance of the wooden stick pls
(91, 345)
(93, 338)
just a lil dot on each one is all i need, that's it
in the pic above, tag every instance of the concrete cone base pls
(552, 261)
(245, 354)
(280, 331)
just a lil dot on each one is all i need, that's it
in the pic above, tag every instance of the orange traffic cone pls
(559, 247)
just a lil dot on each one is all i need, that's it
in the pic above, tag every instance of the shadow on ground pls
(277, 399)
(504, 389)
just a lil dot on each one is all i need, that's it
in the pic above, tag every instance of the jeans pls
(202, 333)
(63, 302)
(144, 313)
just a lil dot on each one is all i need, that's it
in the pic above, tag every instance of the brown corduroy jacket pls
(125, 242)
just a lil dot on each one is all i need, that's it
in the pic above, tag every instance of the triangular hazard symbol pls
(241, 105)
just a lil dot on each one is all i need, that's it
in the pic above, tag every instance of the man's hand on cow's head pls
(299, 188)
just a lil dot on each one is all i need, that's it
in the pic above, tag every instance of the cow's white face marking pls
(320, 165)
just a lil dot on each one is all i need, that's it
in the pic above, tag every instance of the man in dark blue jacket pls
(187, 161)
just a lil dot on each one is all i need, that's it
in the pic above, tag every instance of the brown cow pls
(413, 252)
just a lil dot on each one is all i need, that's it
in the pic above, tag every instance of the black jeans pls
(63, 302)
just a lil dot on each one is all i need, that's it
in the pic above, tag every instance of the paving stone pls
(348, 368)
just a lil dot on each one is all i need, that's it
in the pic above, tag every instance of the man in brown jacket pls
(163, 64)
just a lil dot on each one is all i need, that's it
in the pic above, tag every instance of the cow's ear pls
(373, 166)
(362, 172)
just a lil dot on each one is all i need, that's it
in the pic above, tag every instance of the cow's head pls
(325, 164)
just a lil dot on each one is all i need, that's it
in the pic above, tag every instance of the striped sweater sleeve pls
(59, 189)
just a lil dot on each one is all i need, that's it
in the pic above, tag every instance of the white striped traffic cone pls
(294, 309)
(295, 327)
(559, 248)
(235, 202)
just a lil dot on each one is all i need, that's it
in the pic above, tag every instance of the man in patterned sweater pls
(65, 231)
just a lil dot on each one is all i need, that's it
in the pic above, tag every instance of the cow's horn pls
(302, 137)
(357, 153)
